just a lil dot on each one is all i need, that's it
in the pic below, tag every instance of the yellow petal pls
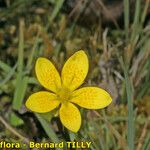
(47, 74)
(70, 117)
(91, 98)
(75, 70)
(42, 102)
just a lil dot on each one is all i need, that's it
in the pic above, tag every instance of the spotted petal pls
(91, 98)
(75, 70)
(70, 117)
(42, 102)
(47, 74)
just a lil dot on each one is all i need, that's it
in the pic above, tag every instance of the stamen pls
(64, 95)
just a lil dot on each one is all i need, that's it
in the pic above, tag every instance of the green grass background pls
(119, 62)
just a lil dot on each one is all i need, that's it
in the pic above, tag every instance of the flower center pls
(63, 95)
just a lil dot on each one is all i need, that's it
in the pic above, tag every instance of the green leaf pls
(21, 87)
(47, 116)
(15, 120)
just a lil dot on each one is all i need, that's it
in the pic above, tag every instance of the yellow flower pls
(64, 93)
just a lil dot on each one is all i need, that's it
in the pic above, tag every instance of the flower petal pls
(91, 98)
(70, 117)
(47, 74)
(42, 102)
(75, 70)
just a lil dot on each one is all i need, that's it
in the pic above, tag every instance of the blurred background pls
(116, 36)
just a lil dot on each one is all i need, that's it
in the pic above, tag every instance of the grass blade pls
(126, 18)
(20, 92)
(17, 101)
(30, 59)
(8, 77)
(58, 6)
(146, 145)
(6, 68)
(145, 11)
(129, 92)
(136, 22)
(21, 47)
(47, 128)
